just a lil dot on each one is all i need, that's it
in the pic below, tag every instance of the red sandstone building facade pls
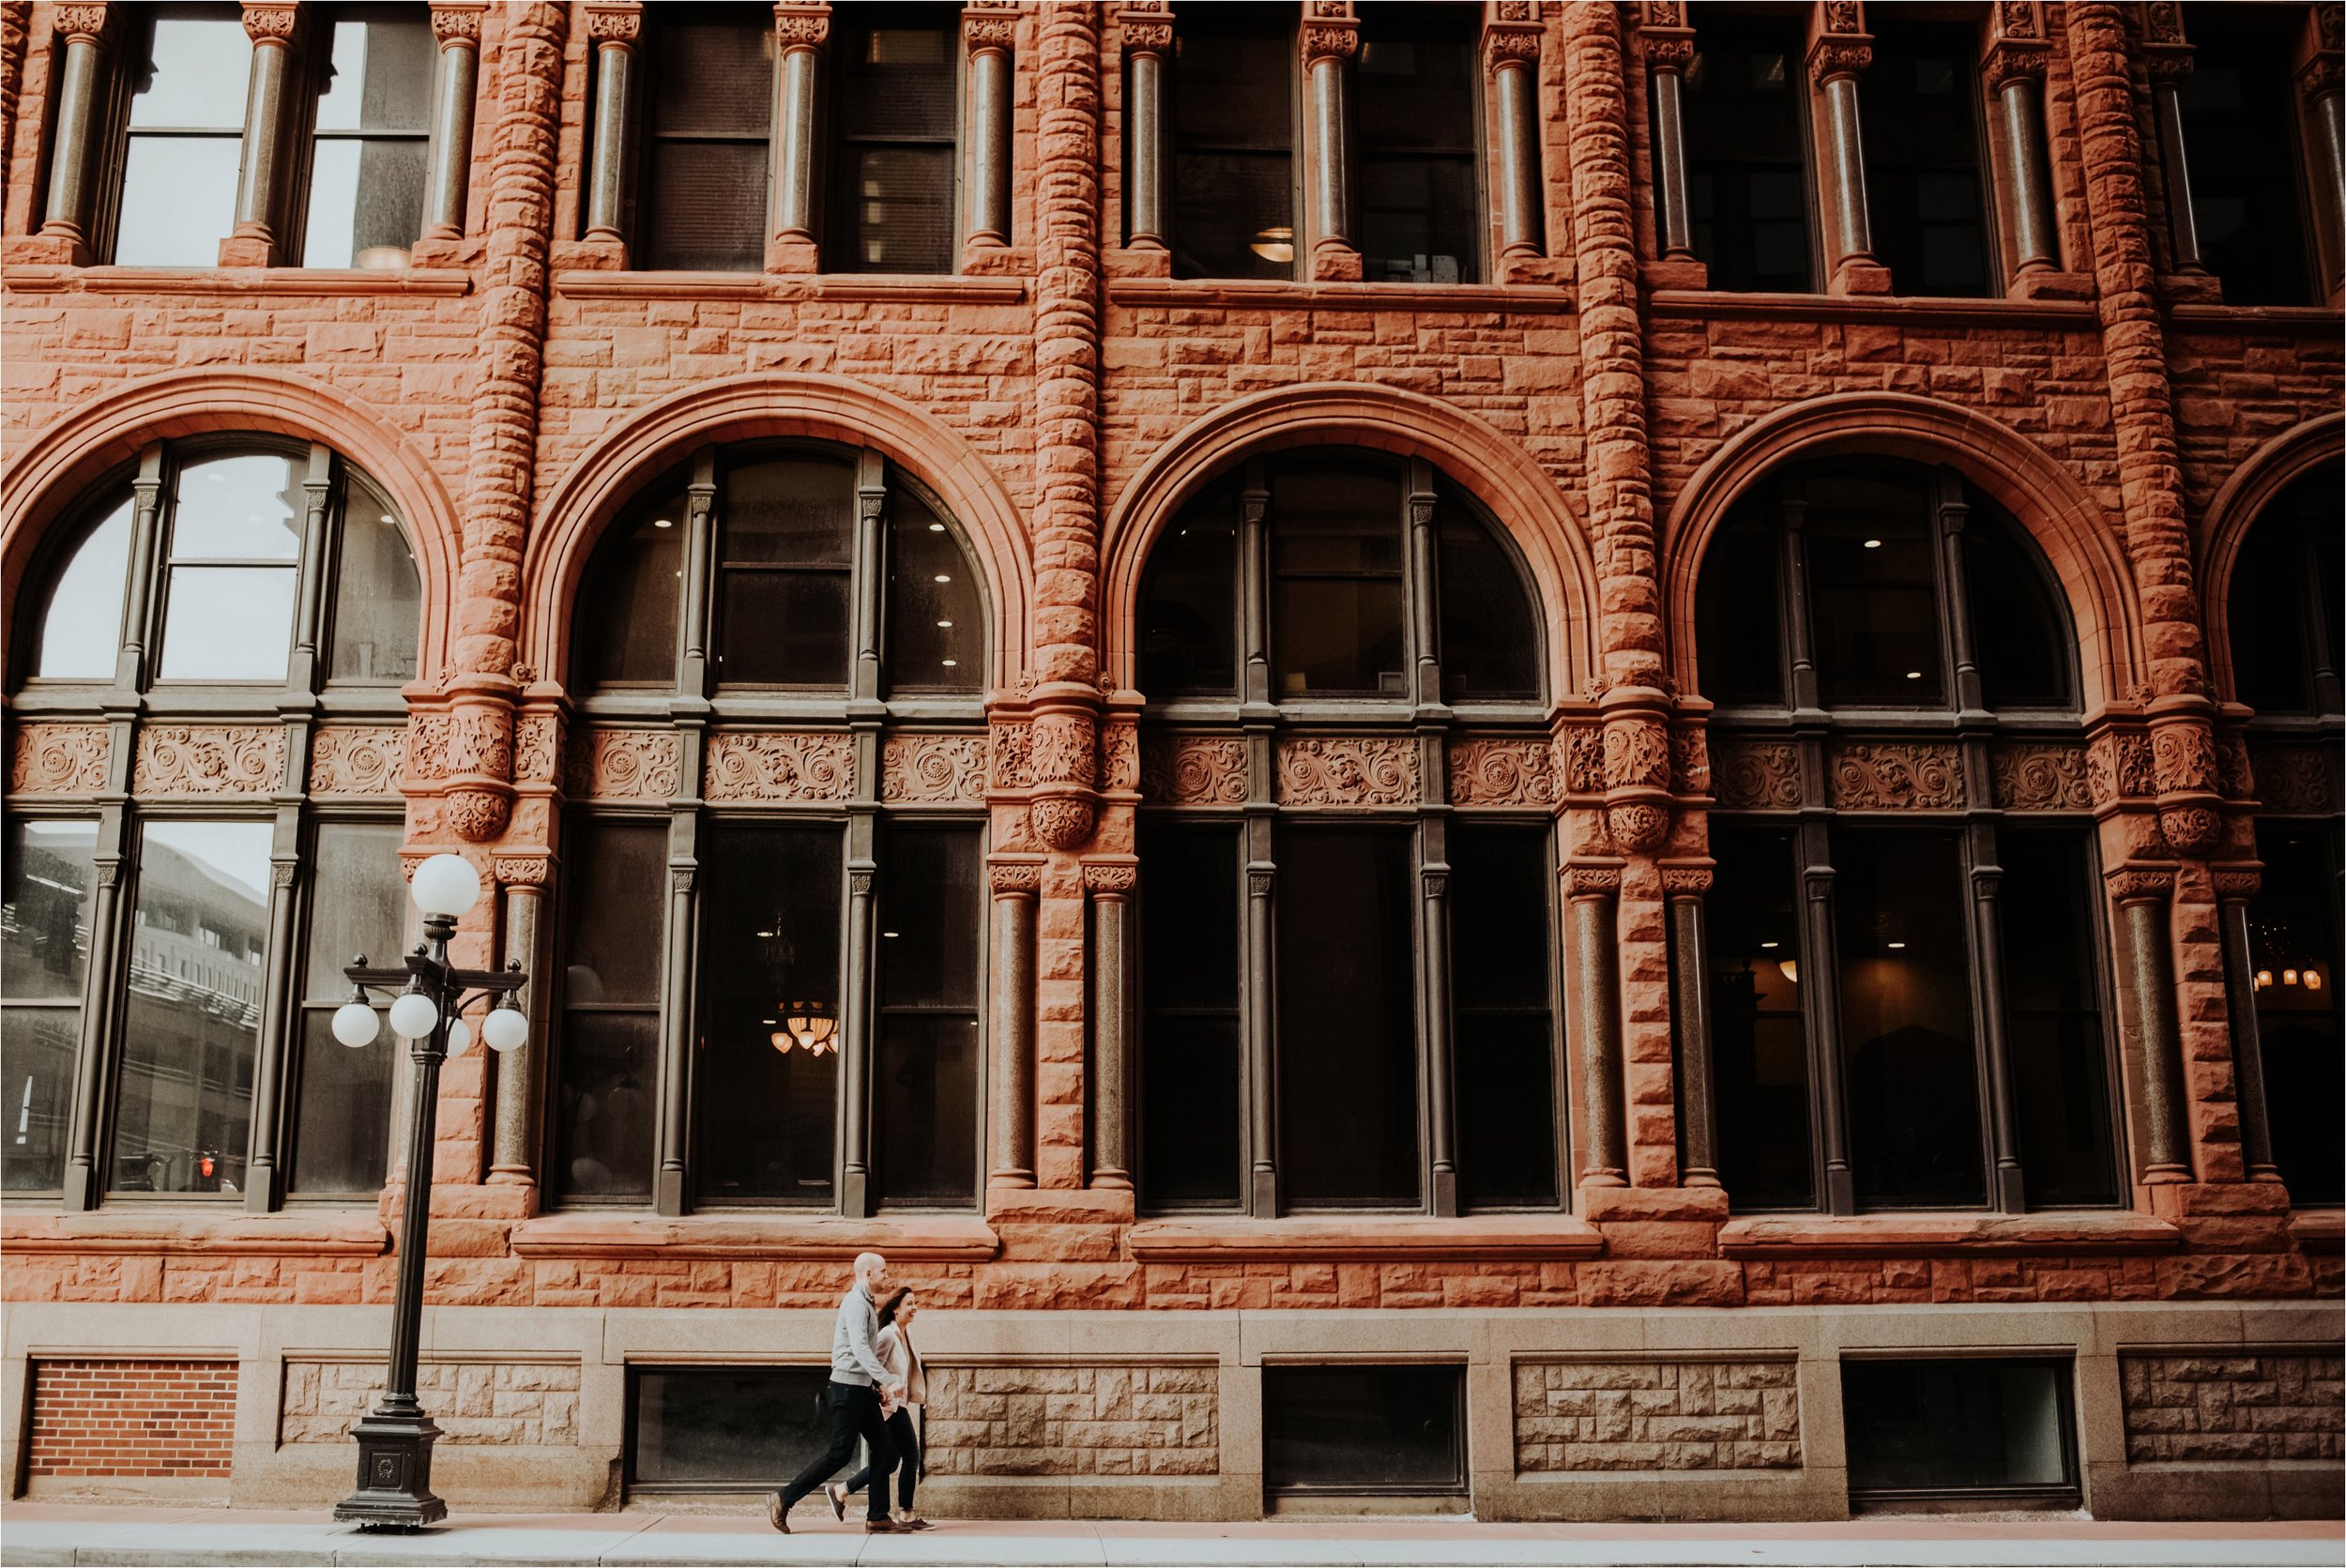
(1577, 759)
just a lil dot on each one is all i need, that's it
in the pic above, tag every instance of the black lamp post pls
(395, 1439)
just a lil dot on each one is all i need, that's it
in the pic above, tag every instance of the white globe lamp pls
(505, 1030)
(413, 1015)
(356, 1023)
(459, 1037)
(445, 884)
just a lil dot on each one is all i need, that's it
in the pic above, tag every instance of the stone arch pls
(2079, 537)
(58, 465)
(2238, 503)
(763, 405)
(1492, 467)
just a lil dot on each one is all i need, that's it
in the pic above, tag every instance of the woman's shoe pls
(907, 1520)
(837, 1492)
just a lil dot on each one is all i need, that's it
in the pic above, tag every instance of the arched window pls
(2283, 614)
(1907, 1001)
(212, 631)
(775, 844)
(1347, 996)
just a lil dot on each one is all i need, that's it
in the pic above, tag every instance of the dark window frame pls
(1969, 91)
(109, 152)
(840, 230)
(643, 149)
(303, 134)
(1744, 28)
(1461, 1439)
(1177, 147)
(1433, 21)
(2067, 1494)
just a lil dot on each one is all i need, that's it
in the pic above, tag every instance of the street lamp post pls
(395, 1439)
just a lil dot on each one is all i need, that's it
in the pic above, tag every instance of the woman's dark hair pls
(888, 1307)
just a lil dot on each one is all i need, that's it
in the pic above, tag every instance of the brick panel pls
(1706, 1415)
(140, 1419)
(514, 1403)
(1070, 1421)
(2233, 1406)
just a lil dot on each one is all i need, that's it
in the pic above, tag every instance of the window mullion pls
(677, 971)
(2007, 1194)
(1253, 575)
(264, 1162)
(101, 985)
(1950, 514)
(700, 543)
(1799, 640)
(867, 589)
(858, 994)
(1436, 1057)
(1418, 585)
(141, 614)
(2321, 682)
(304, 672)
(1821, 968)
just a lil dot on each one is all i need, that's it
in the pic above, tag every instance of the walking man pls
(852, 1402)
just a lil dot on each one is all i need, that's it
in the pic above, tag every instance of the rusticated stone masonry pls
(2233, 1407)
(512, 1404)
(15, 26)
(1607, 1415)
(1070, 1421)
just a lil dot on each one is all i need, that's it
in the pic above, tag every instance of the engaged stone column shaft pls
(516, 1070)
(458, 29)
(2234, 889)
(1331, 39)
(67, 216)
(1147, 39)
(2142, 897)
(1512, 55)
(1835, 63)
(1597, 988)
(1690, 1009)
(1017, 889)
(1111, 1002)
(614, 30)
(260, 179)
(990, 34)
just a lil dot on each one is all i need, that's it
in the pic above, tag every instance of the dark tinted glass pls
(1738, 625)
(627, 634)
(367, 159)
(1502, 1036)
(1348, 1037)
(1416, 82)
(378, 597)
(1872, 595)
(1364, 1428)
(1973, 1425)
(606, 1063)
(702, 1424)
(1188, 602)
(2053, 1018)
(766, 1095)
(45, 882)
(1920, 103)
(80, 625)
(935, 624)
(1900, 903)
(783, 628)
(892, 169)
(925, 1068)
(785, 533)
(1747, 179)
(1335, 581)
(1759, 1040)
(2020, 638)
(1189, 1040)
(2286, 591)
(788, 512)
(2293, 930)
(710, 164)
(2246, 198)
(1490, 641)
(1233, 142)
(706, 209)
(199, 939)
(357, 904)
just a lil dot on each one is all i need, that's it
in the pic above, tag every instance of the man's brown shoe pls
(879, 1527)
(774, 1515)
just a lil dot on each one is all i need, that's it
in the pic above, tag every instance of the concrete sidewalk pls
(34, 1533)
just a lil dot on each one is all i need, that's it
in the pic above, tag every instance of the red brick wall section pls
(134, 1417)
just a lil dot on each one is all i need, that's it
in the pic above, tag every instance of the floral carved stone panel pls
(60, 759)
(2040, 778)
(1894, 776)
(781, 765)
(1378, 772)
(1756, 774)
(1503, 773)
(623, 765)
(356, 760)
(2298, 779)
(923, 769)
(194, 760)
(1192, 770)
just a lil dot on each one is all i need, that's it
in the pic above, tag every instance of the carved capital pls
(798, 25)
(1012, 879)
(1331, 31)
(1686, 881)
(2012, 60)
(1510, 46)
(989, 25)
(267, 24)
(458, 24)
(615, 23)
(2237, 886)
(83, 22)
(1146, 26)
(1592, 882)
(1115, 878)
(1833, 55)
(1672, 50)
(2136, 884)
(681, 879)
(521, 871)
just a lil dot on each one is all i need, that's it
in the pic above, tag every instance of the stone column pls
(615, 30)
(261, 179)
(84, 1181)
(2006, 1192)
(2235, 889)
(1836, 60)
(1821, 988)
(1017, 889)
(675, 1075)
(1690, 1010)
(1595, 989)
(1111, 1007)
(856, 1028)
(2321, 67)
(1148, 40)
(1669, 52)
(2141, 898)
(801, 30)
(2015, 76)
(1260, 1026)
(522, 880)
(1331, 37)
(457, 26)
(80, 85)
(990, 33)
(1511, 55)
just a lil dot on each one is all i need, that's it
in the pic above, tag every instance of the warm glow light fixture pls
(1274, 245)
(807, 1026)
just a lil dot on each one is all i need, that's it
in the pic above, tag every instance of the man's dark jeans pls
(907, 1462)
(855, 1412)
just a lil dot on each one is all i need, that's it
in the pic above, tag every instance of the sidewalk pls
(59, 1534)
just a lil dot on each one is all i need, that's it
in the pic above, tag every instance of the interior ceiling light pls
(1276, 245)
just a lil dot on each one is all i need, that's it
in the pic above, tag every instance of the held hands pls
(892, 1395)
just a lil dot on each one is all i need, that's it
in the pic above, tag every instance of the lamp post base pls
(394, 1475)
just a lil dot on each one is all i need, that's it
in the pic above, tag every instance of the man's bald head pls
(870, 1271)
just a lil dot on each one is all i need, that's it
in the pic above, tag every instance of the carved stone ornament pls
(2134, 884)
(456, 23)
(1896, 776)
(1371, 772)
(1062, 750)
(2118, 767)
(1582, 750)
(2034, 778)
(2299, 780)
(1510, 46)
(2235, 778)
(2012, 59)
(477, 813)
(1690, 762)
(1014, 877)
(427, 747)
(1120, 757)
(1529, 11)
(1761, 775)
(356, 759)
(798, 768)
(1331, 39)
(2237, 885)
(1668, 51)
(2019, 19)
(83, 22)
(1638, 825)
(801, 26)
(1637, 754)
(1829, 57)
(1061, 821)
(2192, 829)
(615, 24)
(537, 748)
(1011, 748)
(1496, 773)
(274, 23)
(60, 759)
(622, 765)
(181, 760)
(2183, 757)
(1146, 25)
(1113, 877)
(1686, 881)
(1592, 882)
(1844, 16)
(1192, 770)
(521, 871)
(990, 24)
(932, 768)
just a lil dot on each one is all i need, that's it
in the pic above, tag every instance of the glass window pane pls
(1348, 1018)
(1490, 641)
(357, 904)
(228, 623)
(246, 507)
(379, 75)
(38, 1046)
(1364, 1428)
(1503, 1037)
(1417, 85)
(45, 885)
(1922, 156)
(199, 939)
(896, 210)
(1335, 561)
(2237, 104)
(366, 195)
(1759, 1036)
(1872, 594)
(1190, 1071)
(714, 72)
(789, 512)
(739, 1424)
(178, 199)
(1233, 214)
(80, 627)
(897, 80)
(1747, 159)
(936, 620)
(606, 1066)
(628, 632)
(1901, 903)
(2019, 637)
(1188, 602)
(194, 70)
(605, 1106)
(1738, 628)
(2284, 607)
(707, 205)
(1233, 142)
(766, 1096)
(2294, 929)
(925, 1067)
(783, 629)
(2060, 1061)
(1957, 1425)
(378, 597)
(618, 876)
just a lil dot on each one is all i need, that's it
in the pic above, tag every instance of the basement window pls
(1395, 1431)
(721, 1428)
(1960, 1432)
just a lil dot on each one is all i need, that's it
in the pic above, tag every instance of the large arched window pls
(775, 843)
(1347, 995)
(2283, 614)
(1907, 1001)
(204, 827)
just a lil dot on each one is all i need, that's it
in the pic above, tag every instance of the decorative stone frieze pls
(194, 760)
(2299, 780)
(1762, 775)
(1504, 772)
(60, 759)
(932, 770)
(2034, 778)
(1192, 770)
(2118, 767)
(784, 766)
(356, 759)
(1375, 772)
(1894, 776)
(610, 764)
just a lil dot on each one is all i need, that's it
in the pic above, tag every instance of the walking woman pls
(905, 1417)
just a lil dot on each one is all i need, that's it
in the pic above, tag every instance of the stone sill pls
(867, 288)
(1522, 1238)
(1914, 1234)
(290, 1234)
(2307, 318)
(437, 282)
(2319, 1229)
(926, 1238)
(1713, 305)
(1543, 299)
